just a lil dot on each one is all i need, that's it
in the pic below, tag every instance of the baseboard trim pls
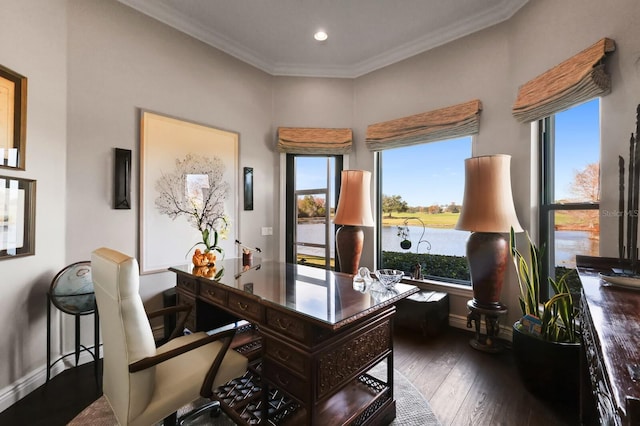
(32, 381)
(459, 321)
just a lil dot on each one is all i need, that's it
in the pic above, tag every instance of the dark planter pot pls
(405, 244)
(549, 370)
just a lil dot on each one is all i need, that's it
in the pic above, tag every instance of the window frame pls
(452, 283)
(291, 197)
(548, 206)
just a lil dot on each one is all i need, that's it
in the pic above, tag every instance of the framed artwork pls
(13, 119)
(192, 164)
(248, 188)
(17, 217)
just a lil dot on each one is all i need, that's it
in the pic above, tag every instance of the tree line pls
(585, 187)
(395, 203)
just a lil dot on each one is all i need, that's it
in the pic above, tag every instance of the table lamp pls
(488, 212)
(353, 212)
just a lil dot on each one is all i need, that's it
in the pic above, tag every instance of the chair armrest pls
(206, 391)
(225, 336)
(180, 320)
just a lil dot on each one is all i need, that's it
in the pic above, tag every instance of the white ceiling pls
(364, 35)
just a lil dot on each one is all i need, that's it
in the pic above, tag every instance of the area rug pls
(411, 408)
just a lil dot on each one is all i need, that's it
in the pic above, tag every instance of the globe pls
(72, 289)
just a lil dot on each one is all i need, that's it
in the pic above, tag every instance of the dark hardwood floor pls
(467, 387)
(463, 387)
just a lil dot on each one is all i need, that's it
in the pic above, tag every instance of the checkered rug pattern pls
(411, 408)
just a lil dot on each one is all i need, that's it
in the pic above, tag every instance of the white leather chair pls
(142, 384)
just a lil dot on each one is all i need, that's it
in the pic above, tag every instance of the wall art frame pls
(17, 217)
(165, 141)
(13, 119)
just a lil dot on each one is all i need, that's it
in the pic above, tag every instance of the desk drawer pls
(288, 325)
(187, 284)
(285, 380)
(286, 356)
(213, 294)
(245, 307)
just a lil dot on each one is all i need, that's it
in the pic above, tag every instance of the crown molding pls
(488, 18)
(169, 16)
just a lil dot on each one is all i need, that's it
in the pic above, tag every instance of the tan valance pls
(445, 123)
(301, 140)
(575, 80)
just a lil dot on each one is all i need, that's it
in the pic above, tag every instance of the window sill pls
(453, 289)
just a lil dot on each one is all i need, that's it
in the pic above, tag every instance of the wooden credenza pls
(610, 315)
(319, 337)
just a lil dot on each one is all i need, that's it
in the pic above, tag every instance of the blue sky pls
(433, 173)
(427, 174)
(577, 143)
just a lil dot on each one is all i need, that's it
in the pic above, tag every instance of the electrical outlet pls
(267, 230)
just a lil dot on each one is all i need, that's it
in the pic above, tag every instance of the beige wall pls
(120, 62)
(33, 43)
(92, 65)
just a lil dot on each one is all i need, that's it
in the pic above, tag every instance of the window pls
(570, 172)
(421, 188)
(311, 204)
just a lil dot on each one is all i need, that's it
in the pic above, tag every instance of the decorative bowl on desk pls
(622, 280)
(389, 277)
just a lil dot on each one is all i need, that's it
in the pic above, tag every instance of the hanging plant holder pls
(403, 233)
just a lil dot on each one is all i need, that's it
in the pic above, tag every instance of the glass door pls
(311, 204)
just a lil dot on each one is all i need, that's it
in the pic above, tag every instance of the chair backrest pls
(126, 333)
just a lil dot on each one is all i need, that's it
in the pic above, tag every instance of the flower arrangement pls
(196, 190)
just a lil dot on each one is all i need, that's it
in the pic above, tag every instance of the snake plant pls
(557, 315)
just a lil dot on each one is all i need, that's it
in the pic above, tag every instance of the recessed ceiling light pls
(320, 36)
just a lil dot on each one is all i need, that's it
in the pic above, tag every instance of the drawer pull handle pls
(282, 381)
(282, 325)
(242, 306)
(283, 355)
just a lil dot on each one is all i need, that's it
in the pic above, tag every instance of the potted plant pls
(546, 340)
(403, 233)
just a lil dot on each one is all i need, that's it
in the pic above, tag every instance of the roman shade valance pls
(578, 79)
(302, 140)
(445, 123)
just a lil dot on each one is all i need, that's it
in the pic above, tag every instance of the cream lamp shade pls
(354, 205)
(488, 202)
(353, 212)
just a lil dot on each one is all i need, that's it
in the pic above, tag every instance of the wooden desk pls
(610, 391)
(319, 336)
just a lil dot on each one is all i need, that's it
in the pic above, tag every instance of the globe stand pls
(72, 293)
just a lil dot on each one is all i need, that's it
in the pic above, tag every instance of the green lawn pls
(440, 220)
(564, 219)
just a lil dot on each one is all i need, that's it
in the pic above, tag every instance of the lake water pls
(451, 242)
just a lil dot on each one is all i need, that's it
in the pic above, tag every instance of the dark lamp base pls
(349, 243)
(487, 254)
